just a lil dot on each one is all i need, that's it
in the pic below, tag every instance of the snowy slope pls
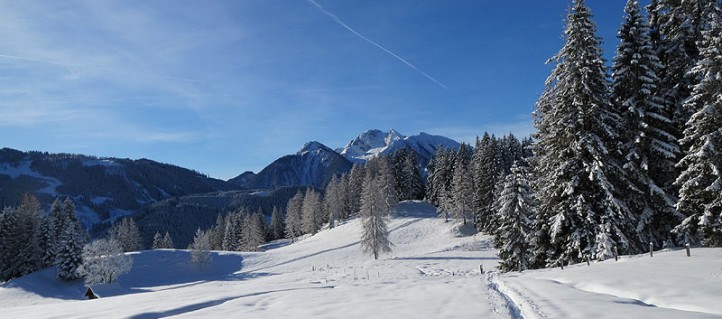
(373, 143)
(668, 285)
(433, 272)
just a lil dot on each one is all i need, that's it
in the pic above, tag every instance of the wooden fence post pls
(651, 249)
(687, 246)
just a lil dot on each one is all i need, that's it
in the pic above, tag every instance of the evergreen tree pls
(47, 241)
(293, 216)
(648, 139)
(432, 192)
(374, 218)
(355, 183)
(127, 234)
(516, 208)
(701, 179)
(676, 27)
(463, 189)
(168, 241)
(486, 176)
(277, 226)
(20, 251)
(577, 134)
(386, 183)
(344, 195)
(333, 201)
(69, 254)
(409, 183)
(9, 243)
(253, 236)
(158, 241)
(229, 233)
(217, 233)
(311, 212)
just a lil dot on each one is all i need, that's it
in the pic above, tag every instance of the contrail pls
(29, 59)
(372, 42)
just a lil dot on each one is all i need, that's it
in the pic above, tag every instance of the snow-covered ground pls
(433, 272)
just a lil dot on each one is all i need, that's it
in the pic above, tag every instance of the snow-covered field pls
(433, 272)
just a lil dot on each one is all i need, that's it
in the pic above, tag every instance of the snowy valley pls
(432, 272)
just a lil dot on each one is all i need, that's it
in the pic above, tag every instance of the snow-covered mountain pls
(313, 165)
(373, 143)
(102, 188)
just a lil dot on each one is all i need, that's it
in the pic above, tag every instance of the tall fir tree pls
(374, 219)
(216, 232)
(577, 137)
(311, 212)
(355, 184)
(676, 26)
(333, 201)
(648, 142)
(47, 241)
(386, 183)
(485, 174)
(277, 226)
(463, 189)
(701, 178)
(69, 253)
(254, 234)
(516, 210)
(293, 216)
(126, 232)
(158, 241)
(168, 241)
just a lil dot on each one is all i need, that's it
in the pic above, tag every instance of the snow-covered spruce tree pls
(200, 249)
(577, 137)
(217, 232)
(387, 184)
(355, 183)
(127, 234)
(463, 190)
(168, 241)
(311, 212)
(409, 183)
(47, 241)
(431, 191)
(158, 241)
(440, 191)
(9, 243)
(253, 235)
(648, 140)
(485, 174)
(277, 226)
(374, 218)
(20, 251)
(69, 252)
(701, 179)
(516, 208)
(293, 216)
(676, 26)
(333, 201)
(103, 262)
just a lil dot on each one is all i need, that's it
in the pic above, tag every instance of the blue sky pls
(223, 87)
